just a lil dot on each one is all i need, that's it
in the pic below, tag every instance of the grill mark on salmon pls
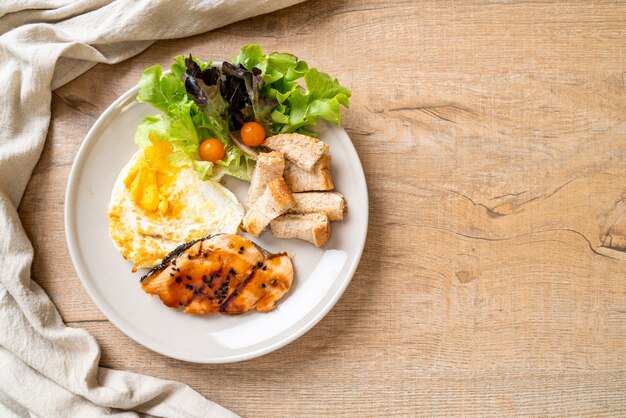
(225, 273)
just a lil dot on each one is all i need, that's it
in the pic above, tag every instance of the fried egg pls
(155, 207)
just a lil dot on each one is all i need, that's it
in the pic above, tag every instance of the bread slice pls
(317, 179)
(269, 166)
(302, 150)
(275, 200)
(331, 204)
(312, 227)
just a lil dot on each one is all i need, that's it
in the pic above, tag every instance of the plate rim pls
(71, 238)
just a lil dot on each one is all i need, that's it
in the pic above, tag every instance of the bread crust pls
(332, 204)
(269, 166)
(311, 227)
(302, 150)
(275, 200)
(317, 179)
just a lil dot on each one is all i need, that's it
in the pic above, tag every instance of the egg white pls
(205, 208)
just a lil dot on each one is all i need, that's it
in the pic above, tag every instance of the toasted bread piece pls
(312, 227)
(318, 179)
(275, 200)
(269, 166)
(302, 150)
(330, 203)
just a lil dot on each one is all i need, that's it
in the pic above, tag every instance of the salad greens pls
(199, 101)
(296, 107)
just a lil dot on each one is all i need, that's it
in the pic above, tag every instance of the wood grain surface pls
(493, 282)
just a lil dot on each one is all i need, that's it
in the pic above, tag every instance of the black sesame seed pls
(264, 268)
(189, 256)
(178, 280)
(174, 261)
(171, 274)
(188, 277)
(233, 272)
(263, 285)
(189, 287)
(206, 255)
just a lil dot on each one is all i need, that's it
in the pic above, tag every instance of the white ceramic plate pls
(322, 275)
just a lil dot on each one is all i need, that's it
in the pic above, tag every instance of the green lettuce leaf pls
(297, 106)
(249, 56)
(161, 91)
(185, 125)
(320, 99)
(200, 101)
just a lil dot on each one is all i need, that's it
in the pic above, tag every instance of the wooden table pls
(493, 137)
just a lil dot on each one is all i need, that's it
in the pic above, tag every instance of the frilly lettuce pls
(184, 124)
(297, 106)
(200, 100)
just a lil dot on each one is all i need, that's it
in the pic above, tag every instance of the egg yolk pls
(151, 179)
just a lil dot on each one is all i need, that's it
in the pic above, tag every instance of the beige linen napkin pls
(46, 368)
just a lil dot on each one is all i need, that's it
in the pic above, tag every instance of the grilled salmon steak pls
(225, 273)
